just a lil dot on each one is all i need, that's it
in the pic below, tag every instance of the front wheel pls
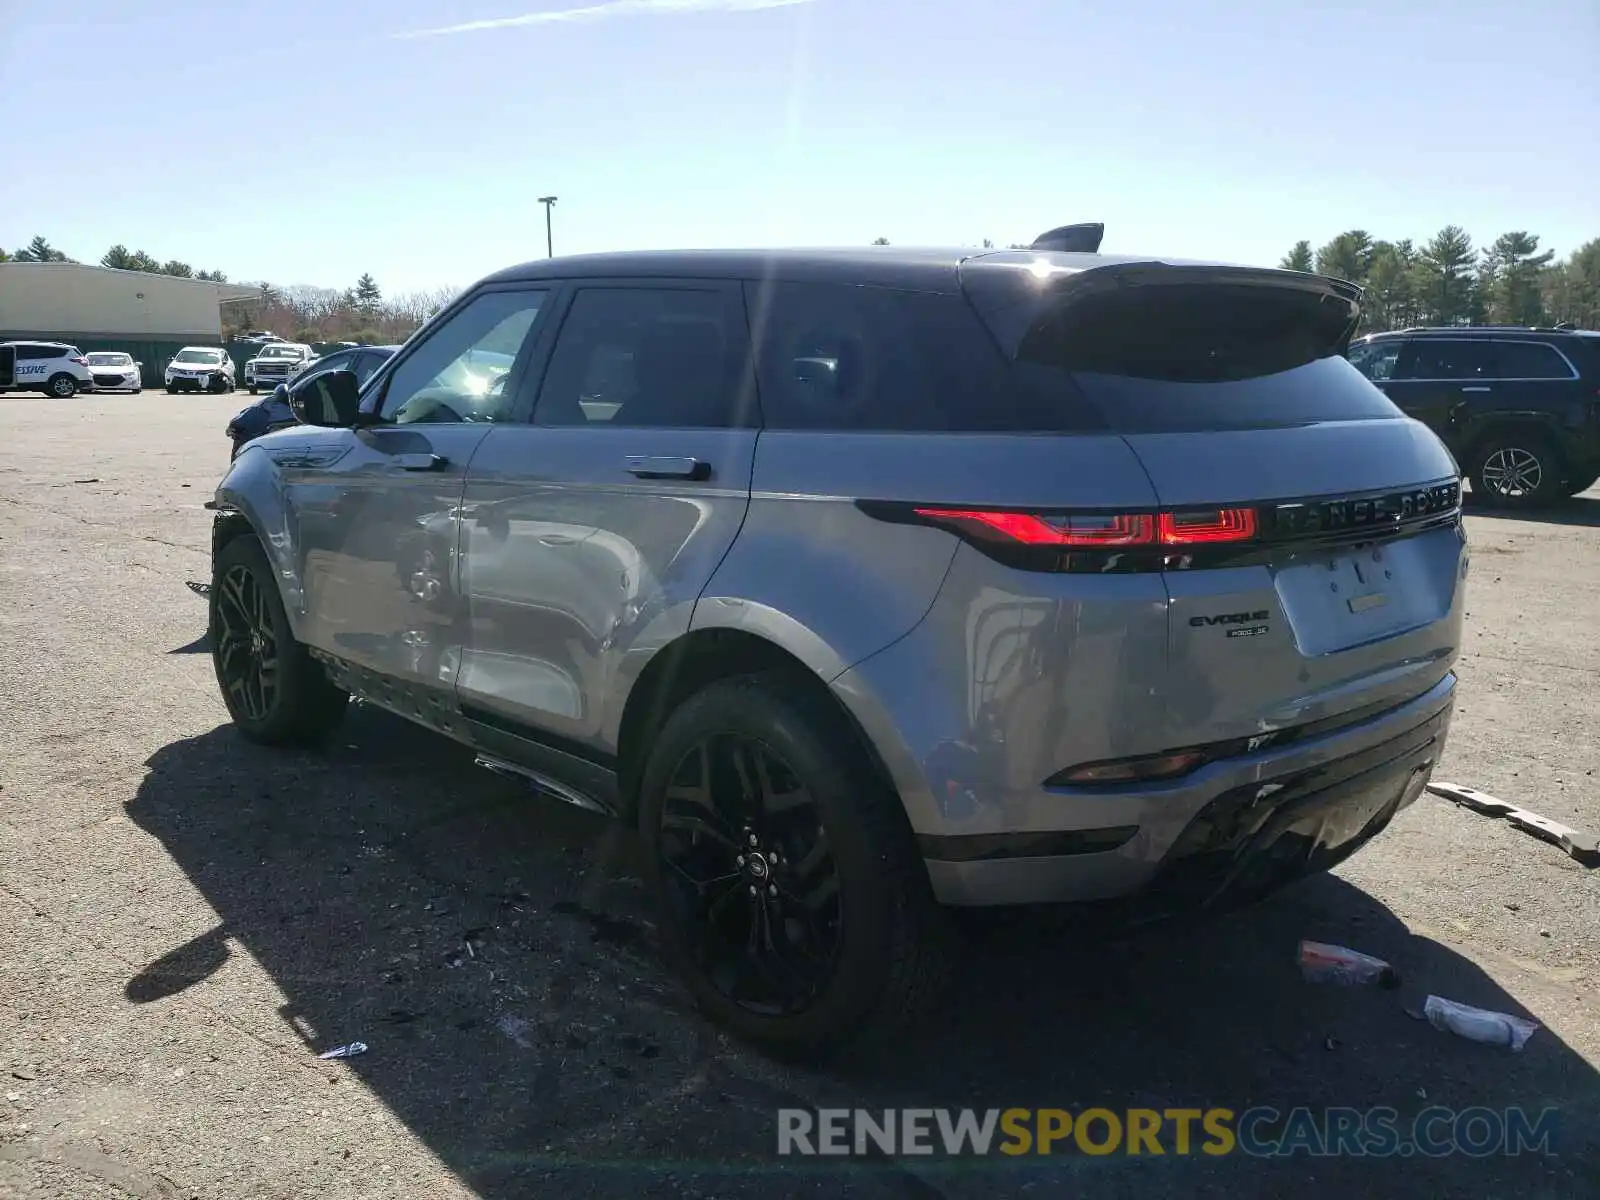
(275, 691)
(1516, 470)
(791, 895)
(63, 386)
(252, 389)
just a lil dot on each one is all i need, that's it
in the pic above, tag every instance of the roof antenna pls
(1075, 239)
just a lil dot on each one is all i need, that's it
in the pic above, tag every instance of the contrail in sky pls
(606, 12)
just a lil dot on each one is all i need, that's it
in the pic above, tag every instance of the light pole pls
(549, 202)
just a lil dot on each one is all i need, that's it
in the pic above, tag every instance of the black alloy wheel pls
(752, 873)
(247, 644)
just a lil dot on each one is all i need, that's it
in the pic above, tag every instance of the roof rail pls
(1564, 327)
(1075, 239)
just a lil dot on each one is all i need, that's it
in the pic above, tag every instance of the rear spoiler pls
(1011, 290)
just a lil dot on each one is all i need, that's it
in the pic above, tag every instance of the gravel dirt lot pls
(186, 920)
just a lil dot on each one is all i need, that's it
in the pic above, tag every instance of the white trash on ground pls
(349, 1051)
(1479, 1024)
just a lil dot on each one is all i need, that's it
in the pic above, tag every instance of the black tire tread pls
(310, 705)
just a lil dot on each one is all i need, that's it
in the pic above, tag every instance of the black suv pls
(1518, 407)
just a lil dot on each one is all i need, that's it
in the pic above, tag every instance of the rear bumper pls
(1232, 830)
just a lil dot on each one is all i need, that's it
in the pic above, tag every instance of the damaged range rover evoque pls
(870, 582)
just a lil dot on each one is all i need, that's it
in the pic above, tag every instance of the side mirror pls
(332, 399)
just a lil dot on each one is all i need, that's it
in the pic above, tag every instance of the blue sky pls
(303, 142)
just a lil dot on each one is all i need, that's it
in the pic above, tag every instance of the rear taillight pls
(79, 359)
(1096, 530)
(1030, 529)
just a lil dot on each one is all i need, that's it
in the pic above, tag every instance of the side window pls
(661, 357)
(840, 356)
(1530, 360)
(1376, 360)
(459, 372)
(38, 352)
(366, 365)
(1444, 358)
(336, 362)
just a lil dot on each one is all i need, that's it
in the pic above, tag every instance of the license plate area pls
(1340, 598)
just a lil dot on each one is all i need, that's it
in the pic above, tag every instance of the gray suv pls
(871, 582)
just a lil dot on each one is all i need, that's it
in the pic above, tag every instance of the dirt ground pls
(186, 920)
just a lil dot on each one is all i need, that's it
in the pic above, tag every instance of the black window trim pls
(377, 387)
(732, 291)
(1417, 342)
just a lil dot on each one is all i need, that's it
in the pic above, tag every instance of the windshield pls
(110, 360)
(283, 352)
(199, 356)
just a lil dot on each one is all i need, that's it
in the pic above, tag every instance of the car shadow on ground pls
(1581, 510)
(495, 951)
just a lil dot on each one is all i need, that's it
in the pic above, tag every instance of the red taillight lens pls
(1031, 530)
(1203, 528)
(1091, 530)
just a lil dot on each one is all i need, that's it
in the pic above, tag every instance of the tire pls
(292, 701)
(252, 389)
(888, 959)
(62, 386)
(136, 391)
(1517, 470)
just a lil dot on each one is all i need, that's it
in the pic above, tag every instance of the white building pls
(95, 308)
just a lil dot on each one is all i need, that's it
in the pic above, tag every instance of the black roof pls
(882, 266)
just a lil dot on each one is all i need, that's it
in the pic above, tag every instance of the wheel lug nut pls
(739, 862)
(754, 841)
(772, 890)
(753, 891)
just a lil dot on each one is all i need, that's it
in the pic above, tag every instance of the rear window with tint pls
(1182, 357)
(847, 357)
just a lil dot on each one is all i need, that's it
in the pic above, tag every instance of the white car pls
(113, 371)
(200, 369)
(54, 368)
(277, 363)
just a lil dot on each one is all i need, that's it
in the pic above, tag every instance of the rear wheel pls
(792, 898)
(1516, 470)
(252, 389)
(275, 691)
(63, 386)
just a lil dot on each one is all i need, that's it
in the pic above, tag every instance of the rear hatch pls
(1308, 533)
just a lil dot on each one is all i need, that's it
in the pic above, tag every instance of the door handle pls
(648, 467)
(420, 462)
(1475, 389)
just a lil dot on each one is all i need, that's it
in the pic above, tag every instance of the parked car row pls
(275, 411)
(864, 583)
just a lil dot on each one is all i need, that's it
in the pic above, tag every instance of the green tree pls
(880, 241)
(211, 276)
(118, 258)
(1572, 288)
(1389, 302)
(1515, 268)
(368, 297)
(5, 256)
(1299, 258)
(1348, 256)
(143, 262)
(181, 269)
(1444, 276)
(40, 250)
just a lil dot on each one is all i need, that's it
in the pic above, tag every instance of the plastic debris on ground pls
(349, 1051)
(1580, 846)
(1321, 962)
(198, 588)
(1479, 1024)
